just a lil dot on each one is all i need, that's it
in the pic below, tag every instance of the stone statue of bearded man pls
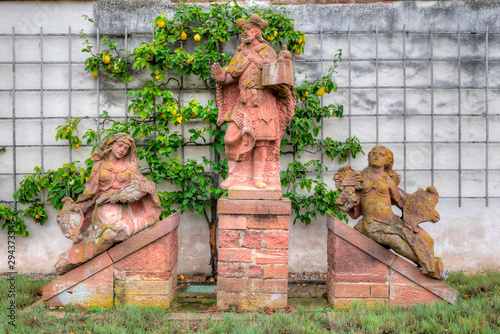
(257, 109)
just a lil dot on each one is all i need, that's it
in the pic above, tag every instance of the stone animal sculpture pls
(371, 194)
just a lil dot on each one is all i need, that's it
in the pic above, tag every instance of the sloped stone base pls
(359, 269)
(141, 270)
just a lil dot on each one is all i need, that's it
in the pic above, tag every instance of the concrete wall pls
(407, 90)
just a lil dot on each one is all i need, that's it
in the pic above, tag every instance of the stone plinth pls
(141, 270)
(359, 269)
(253, 253)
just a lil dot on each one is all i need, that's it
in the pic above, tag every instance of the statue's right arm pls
(355, 212)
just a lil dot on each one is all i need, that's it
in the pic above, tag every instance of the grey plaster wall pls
(399, 85)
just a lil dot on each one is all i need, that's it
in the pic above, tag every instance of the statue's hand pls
(218, 73)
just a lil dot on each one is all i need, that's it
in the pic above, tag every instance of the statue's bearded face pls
(248, 34)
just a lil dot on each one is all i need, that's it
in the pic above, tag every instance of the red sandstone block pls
(77, 275)
(269, 222)
(276, 239)
(226, 269)
(350, 259)
(232, 222)
(360, 241)
(379, 290)
(410, 271)
(142, 275)
(228, 239)
(271, 257)
(96, 290)
(255, 272)
(232, 284)
(360, 278)
(160, 255)
(271, 285)
(350, 290)
(252, 239)
(145, 237)
(330, 248)
(235, 255)
(254, 207)
(276, 271)
(410, 293)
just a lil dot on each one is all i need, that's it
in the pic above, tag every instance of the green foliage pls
(476, 313)
(188, 44)
(302, 135)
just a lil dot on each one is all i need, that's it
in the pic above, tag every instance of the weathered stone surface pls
(275, 271)
(96, 290)
(235, 255)
(255, 272)
(264, 222)
(145, 293)
(227, 206)
(228, 239)
(144, 273)
(371, 194)
(271, 257)
(257, 116)
(253, 275)
(252, 239)
(250, 301)
(361, 273)
(232, 222)
(271, 285)
(77, 275)
(233, 284)
(225, 269)
(117, 203)
(276, 239)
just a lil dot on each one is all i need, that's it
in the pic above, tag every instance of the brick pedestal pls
(360, 269)
(253, 253)
(141, 270)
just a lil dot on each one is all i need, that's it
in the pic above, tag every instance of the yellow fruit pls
(183, 36)
(303, 98)
(181, 277)
(107, 59)
(37, 216)
(197, 38)
(161, 24)
(163, 116)
(222, 40)
(329, 155)
(95, 74)
(275, 34)
(158, 77)
(306, 94)
(297, 52)
(179, 118)
(270, 38)
(321, 91)
(174, 112)
(77, 145)
(142, 136)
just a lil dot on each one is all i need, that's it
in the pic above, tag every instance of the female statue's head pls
(381, 156)
(121, 146)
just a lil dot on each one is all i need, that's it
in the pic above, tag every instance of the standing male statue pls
(256, 96)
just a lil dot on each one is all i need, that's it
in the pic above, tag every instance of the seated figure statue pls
(372, 193)
(117, 202)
